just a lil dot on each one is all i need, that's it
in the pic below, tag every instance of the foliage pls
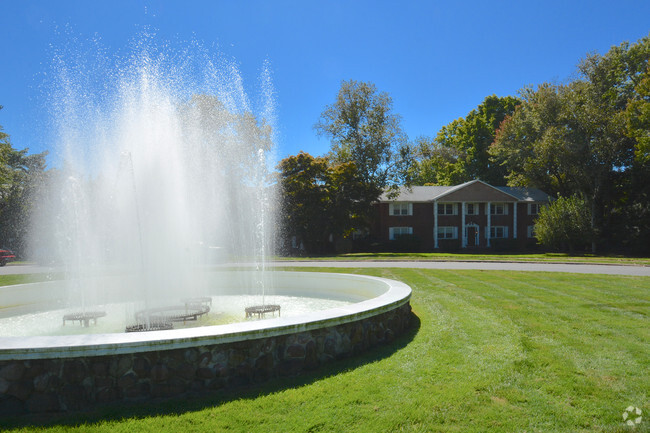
(321, 199)
(460, 151)
(20, 177)
(434, 164)
(364, 130)
(582, 137)
(304, 205)
(564, 225)
(637, 115)
(367, 155)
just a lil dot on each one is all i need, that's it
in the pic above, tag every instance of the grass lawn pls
(508, 257)
(492, 351)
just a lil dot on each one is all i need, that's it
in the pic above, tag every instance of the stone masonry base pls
(82, 383)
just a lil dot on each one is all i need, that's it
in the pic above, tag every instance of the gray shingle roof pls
(430, 193)
(524, 194)
(417, 193)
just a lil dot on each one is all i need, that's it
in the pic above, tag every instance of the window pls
(472, 208)
(533, 208)
(497, 232)
(447, 232)
(395, 232)
(498, 209)
(447, 209)
(531, 231)
(400, 209)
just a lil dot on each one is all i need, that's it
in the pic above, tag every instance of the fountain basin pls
(76, 372)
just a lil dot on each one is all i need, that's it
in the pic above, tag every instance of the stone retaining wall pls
(65, 385)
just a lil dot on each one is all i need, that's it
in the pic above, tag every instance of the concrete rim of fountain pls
(376, 296)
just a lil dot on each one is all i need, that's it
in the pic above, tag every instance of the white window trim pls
(444, 229)
(391, 232)
(492, 232)
(454, 208)
(391, 208)
(493, 207)
(476, 208)
(530, 208)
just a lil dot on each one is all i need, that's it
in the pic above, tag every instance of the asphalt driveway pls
(643, 271)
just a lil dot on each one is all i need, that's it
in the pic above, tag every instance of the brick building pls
(471, 215)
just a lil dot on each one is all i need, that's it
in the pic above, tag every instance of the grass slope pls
(494, 351)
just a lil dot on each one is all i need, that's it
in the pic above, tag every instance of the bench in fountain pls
(84, 318)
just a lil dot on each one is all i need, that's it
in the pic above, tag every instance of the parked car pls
(6, 256)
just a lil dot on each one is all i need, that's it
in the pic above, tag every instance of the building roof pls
(431, 193)
(416, 193)
(523, 193)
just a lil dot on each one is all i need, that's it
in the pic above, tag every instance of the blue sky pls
(437, 59)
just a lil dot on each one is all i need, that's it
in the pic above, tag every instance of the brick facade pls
(459, 216)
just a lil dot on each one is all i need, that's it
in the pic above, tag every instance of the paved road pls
(13, 269)
(501, 266)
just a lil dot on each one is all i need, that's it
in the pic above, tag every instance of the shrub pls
(565, 224)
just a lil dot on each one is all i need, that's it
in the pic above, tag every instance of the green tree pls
(576, 138)
(565, 225)
(534, 143)
(637, 116)
(305, 202)
(322, 201)
(434, 163)
(21, 175)
(364, 130)
(460, 151)
(632, 215)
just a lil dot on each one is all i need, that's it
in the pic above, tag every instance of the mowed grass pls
(491, 351)
(473, 257)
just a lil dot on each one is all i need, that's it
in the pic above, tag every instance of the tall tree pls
(305, 206)
(364, 130)
(633, 214)
(434, 163)
(321, 200)
(575, 138)
(460, 151)
(20, 177)
(531, 144)
(637, 116)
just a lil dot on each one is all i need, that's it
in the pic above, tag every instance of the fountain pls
(160, 170)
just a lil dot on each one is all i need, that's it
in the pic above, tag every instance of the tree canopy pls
(322, 200)
(459, 152)
(586, 137)
(364, 130)
(21, 175)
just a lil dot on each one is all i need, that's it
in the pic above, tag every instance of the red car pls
(6, 256)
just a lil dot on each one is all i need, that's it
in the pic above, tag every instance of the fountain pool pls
(53, 373)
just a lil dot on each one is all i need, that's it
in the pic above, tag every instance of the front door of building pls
(472, 236)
